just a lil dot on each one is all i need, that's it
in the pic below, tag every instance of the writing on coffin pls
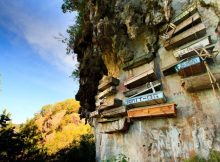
(108, 104)
(143, 89)
(119, 125)
(165, 110)
(182, 16)
(94, 114)
(189, 35)
(190, 66)
(199, 82)
(188, 49)
(107, 82)
(140, 79)
(109, 91)
(147, 99)
(138, 61)
(115, 112)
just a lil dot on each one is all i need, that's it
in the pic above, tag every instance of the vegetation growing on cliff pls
(54, 134)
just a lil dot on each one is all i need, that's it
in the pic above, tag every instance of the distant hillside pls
(60, 125)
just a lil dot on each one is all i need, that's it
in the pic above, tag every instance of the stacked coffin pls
(109, 108)
(143, 93)
(187, 38)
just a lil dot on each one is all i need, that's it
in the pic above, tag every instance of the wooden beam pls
(190, 66)
(142, 89)
(119, 125)
(199, 82)
(94, 114)
(110, 104)
(186, 36)
(108, 82)
(109, 91)
(140, 79)
(165, 110)
(188, 49)
(195, 18)
(138, 61)
(147, 99)
(181, 17)
(115, 112)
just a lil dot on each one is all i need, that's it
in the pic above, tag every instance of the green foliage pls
(117, 158)
(214, 156)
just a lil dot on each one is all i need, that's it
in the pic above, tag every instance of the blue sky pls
(34, 69)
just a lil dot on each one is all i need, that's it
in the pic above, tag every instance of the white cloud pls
(39, 31)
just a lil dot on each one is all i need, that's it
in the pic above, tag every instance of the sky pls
(34, 67)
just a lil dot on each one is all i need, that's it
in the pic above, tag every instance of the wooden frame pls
(186, 36)
(142, 89)
(147, 99)
(165, 110)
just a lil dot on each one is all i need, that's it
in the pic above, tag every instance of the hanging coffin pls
(190, 66)
(188, 49)
(94, 114)
(109, 91)
(138, 61)
(109, 104)
(189, 35)
(165, 110)
(140, 79)
(115, 112)
(118, 125)
(108, 82)
(144, 100)
(142, 89)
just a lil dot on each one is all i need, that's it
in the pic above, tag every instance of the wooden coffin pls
(189, 35)
(138, 61)
(170, 69)
(108, 82)
(115, 112)
(190, 10)
(140, 79)
(192, 20)
(94, 114)
(188, 49)
(119, 125)
(109, 91)
(165, 110)
(142, 89)
(199, 82)
(110, 104)
(147, 99)
(190, 66)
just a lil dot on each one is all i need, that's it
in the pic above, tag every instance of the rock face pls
(119, 33)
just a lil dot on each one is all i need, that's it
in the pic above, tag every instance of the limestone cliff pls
(122, 39)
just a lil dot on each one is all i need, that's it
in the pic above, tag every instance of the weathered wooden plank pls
(165, 110)
(199, 82)
(119, 125)
(108, 82)
(110, 104)
(195, 18)
(119, 111)
(190, 66)
(109, 91)
(140, 79)
(138, 61)
(191, 9)
(94, 114)
(186, 36)
(142, 89)
(188, 49)
(147, 99)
